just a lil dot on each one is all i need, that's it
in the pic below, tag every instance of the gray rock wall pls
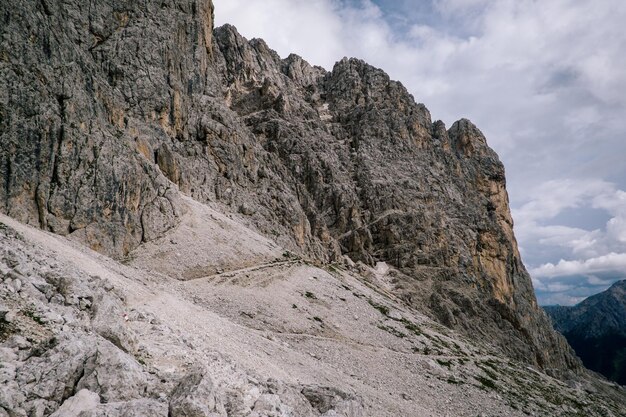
(90, 89)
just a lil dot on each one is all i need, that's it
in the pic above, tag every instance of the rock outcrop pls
(111, 110)
(89, 90)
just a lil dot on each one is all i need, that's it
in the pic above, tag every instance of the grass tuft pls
(384, 310)
(486, 382)
(393, 331)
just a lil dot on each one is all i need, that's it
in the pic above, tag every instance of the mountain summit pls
(237, 195)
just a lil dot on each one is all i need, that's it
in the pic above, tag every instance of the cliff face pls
(88, 88)
(112, 110)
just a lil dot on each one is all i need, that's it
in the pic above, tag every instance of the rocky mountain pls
(596, 329)
(197, 158)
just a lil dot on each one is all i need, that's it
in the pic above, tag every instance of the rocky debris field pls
(83, 335)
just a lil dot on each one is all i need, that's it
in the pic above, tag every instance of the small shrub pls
(6, 329)
(446, 363)
(486, 382)
(488, 372)
(384, 310)
(393, 331)
(33, 316)
(412, 327)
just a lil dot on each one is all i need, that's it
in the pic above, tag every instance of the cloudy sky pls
(544, 80)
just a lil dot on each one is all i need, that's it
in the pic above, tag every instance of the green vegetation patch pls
(384, 310)
(6, 329)
(446, 363)
(33, 316)
(492, 364)
(452, 380)
(489, 372)
(486, 382)
(393, 331)
(412, 327)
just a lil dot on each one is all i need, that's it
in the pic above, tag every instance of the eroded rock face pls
(89, 91)
(111, 110)
(377, 180)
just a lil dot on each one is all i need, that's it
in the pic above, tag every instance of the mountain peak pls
(618, 287)
(466, 138)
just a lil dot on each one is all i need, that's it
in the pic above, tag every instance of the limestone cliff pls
(111, 110)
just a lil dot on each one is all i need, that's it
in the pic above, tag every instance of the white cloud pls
(616, 229)
(599, 250)
(551, 197)
(456, 6)
(309, 27)
(561, 299)
(589, 260)
(604, 263)
(596, 280)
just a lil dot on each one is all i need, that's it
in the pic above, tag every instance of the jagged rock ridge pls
(112, 110)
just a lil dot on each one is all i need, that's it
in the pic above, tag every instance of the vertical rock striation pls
(93, 90)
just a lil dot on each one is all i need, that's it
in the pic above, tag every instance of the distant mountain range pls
(596, 329)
